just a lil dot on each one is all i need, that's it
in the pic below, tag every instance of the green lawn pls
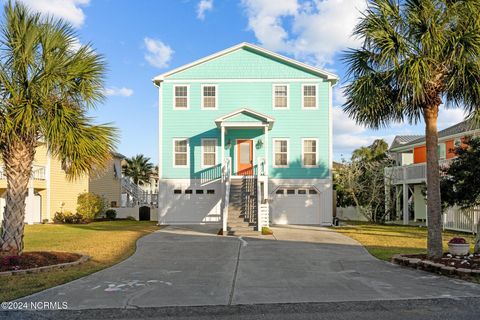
(384, 241)
(107, 243)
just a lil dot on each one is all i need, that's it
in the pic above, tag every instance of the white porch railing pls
(226, 174)
(465, 220)
(263, 206)
(38, 173)
(411, 173)
(137, 195)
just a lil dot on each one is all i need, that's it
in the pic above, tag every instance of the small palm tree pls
(416, 55)
(46, 90)
(139, 169)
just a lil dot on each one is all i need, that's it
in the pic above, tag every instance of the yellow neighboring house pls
(108, 183)
(49, 189)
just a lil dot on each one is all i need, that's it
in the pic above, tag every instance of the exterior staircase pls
(242, 208)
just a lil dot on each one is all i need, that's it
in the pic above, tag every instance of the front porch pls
(245, 160)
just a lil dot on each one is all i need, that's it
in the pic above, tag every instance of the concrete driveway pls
(191, 266)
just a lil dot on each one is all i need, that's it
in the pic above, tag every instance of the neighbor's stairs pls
(236, 224)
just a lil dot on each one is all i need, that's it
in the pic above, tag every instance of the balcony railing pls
(38, 173)
(411, 173)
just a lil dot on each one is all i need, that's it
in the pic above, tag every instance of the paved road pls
(183, 267)
(425, 309)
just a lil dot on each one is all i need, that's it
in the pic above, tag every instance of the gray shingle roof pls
(461, 127)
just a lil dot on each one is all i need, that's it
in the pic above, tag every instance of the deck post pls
(405, 203)
(222, 138)
(265, 169)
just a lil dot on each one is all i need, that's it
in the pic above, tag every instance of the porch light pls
(229, 144)
(259, 143)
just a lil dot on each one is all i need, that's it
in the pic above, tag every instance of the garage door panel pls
(295, 208)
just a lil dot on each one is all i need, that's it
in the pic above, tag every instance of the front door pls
(244, 157)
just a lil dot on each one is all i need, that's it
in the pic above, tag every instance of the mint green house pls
(245, 140)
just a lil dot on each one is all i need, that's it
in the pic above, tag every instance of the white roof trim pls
(328, 75)
(264, 118)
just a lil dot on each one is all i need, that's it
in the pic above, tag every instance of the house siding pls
(295, 123)
(106, 184)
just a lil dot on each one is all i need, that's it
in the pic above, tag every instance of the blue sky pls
(141, 39)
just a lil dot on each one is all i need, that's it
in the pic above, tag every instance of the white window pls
(309, 96)
(209, 155)
(442, 151)
(280, 96)
(209, 96)
(180, 94)
(280, 153)
(309, 152)
(180, 154)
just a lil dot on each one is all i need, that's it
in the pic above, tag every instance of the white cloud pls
(343, 124)
(159, 53)
(70, 10)
(316, 29)
(204, 6)
(122, 92)
(449, 117)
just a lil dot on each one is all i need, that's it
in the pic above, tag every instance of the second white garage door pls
(295, 206)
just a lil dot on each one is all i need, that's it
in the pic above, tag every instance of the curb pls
(81, 260)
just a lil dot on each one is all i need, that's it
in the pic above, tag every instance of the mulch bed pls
(471, 261)
(36, 259)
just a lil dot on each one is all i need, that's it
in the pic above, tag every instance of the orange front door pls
(245, 157)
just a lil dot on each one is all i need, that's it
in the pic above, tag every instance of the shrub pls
(130, 218)
(68, 217)
(458, 241)
(111, 214)
(266, 231)
(90, 205)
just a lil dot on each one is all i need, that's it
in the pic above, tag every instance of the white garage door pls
(295, 206)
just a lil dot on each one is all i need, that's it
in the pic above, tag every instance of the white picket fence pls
(464, 220)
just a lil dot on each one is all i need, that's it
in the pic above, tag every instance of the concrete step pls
(243, 233)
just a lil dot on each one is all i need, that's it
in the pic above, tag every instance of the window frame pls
(316, 96)
(316, 153)
(274, 165)
(187, 152)
(203, 165)
(442, 146)
(174, 96)
(202, 96)
(273, 96)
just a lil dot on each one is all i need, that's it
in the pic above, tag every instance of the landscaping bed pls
(466, 267)
(37, 259)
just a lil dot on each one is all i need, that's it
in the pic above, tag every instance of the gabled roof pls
(322, 73)
(255, 114)
(459, 128)
(403, 140)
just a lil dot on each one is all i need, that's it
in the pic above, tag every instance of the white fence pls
(465, 220)
(350, 213)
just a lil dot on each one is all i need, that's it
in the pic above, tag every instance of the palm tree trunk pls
(17, 157)
(434, 208)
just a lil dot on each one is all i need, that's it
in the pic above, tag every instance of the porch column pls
(266, 150)
(405, 203)
(30, 204)
(222, 152)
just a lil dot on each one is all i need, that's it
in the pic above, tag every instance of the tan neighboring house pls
(49, 189)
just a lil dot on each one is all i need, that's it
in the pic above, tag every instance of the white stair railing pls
(140, 196)
(226, 175)
(262, 195)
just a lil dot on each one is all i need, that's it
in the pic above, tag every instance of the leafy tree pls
(416, 55)
(361, 181)
(460, 184)
(139, 169)
(46, 89)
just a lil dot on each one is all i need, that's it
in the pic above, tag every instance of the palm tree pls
(416, 55)
(139, 169)
(376, 151)
(46, 89)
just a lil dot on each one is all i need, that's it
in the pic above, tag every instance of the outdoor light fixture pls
(259, 143)
(229, 144)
